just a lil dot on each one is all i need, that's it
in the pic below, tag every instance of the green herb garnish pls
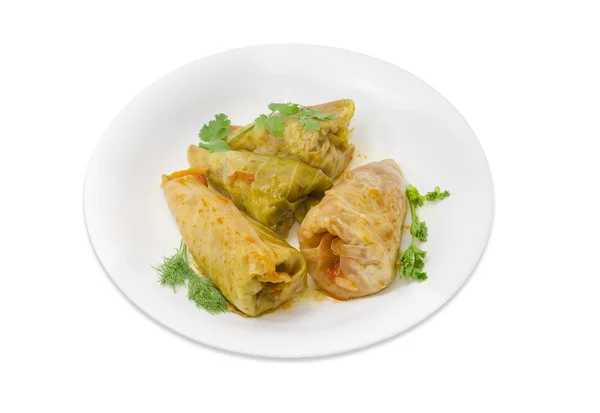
(205, 295)
(436, 195)
(175, 270)
(214, 136)
(413, 259)
(274, 124)
(285, 109)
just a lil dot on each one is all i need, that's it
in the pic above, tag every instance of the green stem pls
(246, 130)
(252, 124)
(413, 210)
(241, 133)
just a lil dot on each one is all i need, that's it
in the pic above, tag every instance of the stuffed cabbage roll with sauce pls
(254, 269)
(270, 189)
(351, 240)
(326, 149)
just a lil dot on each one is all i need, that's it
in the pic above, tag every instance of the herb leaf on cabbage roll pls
(318, 136)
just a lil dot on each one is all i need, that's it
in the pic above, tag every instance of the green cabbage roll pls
(270, 189)
(254, 268)
(326, 149)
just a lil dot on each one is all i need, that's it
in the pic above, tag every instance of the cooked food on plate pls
(352, 238)
(254, 268)
(270, 189)
(264, 176)
(318, 138)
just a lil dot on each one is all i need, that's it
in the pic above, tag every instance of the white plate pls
(397, 116)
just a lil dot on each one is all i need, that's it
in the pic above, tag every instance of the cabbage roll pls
(351, 240)
(254, 269)
(270, 189)
(326, 149)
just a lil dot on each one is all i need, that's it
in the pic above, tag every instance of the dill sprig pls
(175, 270)
(205, 295)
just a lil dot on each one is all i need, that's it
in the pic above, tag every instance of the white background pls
(522, 335)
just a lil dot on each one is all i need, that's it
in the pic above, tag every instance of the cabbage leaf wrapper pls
(270, 189)
(351, 240)
(255, 269)
(326, 149)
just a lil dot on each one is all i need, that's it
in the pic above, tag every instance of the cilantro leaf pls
(310, 124)
(215, 129)
(275, 125)
(260, 122)
(316, 114)
(215, 146)
(213, 133)
(285, 109)
(311, 119)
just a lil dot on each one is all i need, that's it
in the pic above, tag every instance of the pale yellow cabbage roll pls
(351, 239)
(254, 269)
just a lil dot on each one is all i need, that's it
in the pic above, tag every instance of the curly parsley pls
(413, 259)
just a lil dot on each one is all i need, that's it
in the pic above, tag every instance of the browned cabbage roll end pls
(352, 238)
(326, 149)
(254, 269)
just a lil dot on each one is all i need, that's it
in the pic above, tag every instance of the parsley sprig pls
(175, 270)
(214, 136)
(413, 259)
